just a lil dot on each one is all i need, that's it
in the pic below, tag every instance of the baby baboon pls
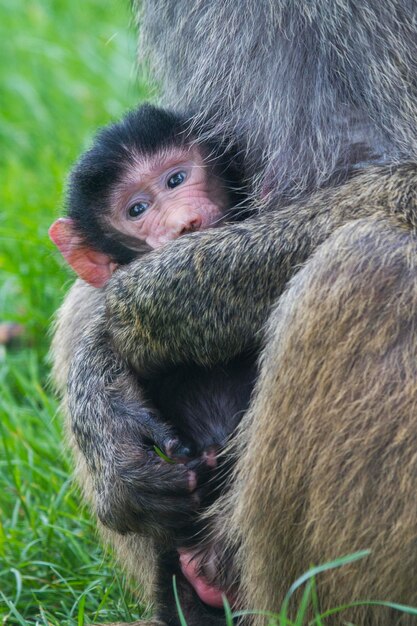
(146, 181)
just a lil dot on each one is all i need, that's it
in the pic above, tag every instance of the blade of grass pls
(177, 602)
(305, 601)
(314, 571)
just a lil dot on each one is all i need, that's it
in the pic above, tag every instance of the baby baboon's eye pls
(137, 209)
(176, 179)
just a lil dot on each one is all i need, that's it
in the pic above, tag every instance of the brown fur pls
(343, 372)
(370, 342)
(318, 93)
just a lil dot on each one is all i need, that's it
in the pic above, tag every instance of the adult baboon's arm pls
(112, 429)
(205, 297)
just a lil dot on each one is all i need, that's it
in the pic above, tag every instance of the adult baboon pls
(323, 95)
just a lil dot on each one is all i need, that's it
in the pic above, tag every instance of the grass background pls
(65, 68)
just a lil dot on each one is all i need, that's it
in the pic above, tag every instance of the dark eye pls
(137, 209)
(176, 179)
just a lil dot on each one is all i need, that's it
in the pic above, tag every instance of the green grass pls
(66, 68)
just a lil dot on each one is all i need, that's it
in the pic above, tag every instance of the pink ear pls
(93, 267)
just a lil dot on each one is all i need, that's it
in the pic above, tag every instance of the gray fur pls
(306, 81)
(322, 94)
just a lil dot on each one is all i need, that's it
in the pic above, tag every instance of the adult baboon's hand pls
(135, 489)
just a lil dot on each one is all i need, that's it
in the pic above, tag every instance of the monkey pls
(382, 187)
(322, 98)
(143, 182)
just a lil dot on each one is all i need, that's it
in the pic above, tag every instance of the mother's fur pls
(322, 96)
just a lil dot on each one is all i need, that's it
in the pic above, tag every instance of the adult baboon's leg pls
(329, 456)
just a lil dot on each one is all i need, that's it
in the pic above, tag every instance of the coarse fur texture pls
(304, 85)
(323, 95)
(343, 367)
(202, 404)
(368, 194)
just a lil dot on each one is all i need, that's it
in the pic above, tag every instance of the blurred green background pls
(65, 69)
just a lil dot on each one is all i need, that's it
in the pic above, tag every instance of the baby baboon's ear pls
(92, 266)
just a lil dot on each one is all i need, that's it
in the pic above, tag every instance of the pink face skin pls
(166, 196)
(160, 198)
